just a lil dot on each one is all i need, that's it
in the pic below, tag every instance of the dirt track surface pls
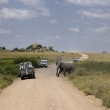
(46, 92)
(84, 57)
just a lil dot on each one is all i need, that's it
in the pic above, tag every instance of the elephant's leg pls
(59, 72)
(56, 73)
(70, 72)
(64, 73)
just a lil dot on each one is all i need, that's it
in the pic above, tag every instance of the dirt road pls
(46, 92)
(84, 57)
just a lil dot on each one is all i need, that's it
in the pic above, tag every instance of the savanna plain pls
(92, 76)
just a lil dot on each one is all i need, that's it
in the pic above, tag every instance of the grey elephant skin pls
(64, 67)
(58, 60)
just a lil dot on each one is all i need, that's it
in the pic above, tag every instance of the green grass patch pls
(93, 78)
(6, 80)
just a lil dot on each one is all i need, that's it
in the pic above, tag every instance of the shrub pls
(35, 60)
(5, 61)
(11, 69)
(6, 80)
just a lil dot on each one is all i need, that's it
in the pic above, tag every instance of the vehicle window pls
(21, 66)
(30, 65)
(43, 61)
(26, 66)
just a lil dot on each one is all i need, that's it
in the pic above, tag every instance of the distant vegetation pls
(2, 48)
(35, 47)
(99, 56)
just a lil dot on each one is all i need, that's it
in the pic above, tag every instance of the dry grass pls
(93, 76)
(97, 85)
(99, 56)
(48, 55)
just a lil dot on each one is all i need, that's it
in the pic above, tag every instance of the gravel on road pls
(46, 92)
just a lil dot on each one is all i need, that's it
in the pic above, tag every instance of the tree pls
(21, 49)
(51, 48)
(3, 48)
(29, 47)
(104, 52)
(15, 49)
(39, 46)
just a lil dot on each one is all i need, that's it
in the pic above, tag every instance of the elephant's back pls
(69, 66)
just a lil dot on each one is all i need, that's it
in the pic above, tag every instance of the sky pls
(67, 25)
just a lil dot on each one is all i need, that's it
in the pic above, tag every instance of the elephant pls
(64, 67)
(58, 60)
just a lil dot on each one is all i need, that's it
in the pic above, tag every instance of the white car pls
(75, 59)
(44, 63)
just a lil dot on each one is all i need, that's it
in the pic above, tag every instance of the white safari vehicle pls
(44, 63)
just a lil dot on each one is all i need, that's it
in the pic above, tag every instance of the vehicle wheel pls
(19, 75)
(22, 77)
(34, 76)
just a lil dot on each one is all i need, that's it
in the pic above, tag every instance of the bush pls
(35, 60)
(9, 69)
(6, 80)
(5, 61)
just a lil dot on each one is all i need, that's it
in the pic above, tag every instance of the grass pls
(51, 56)
(99, 56)
(9, 62)
(93, 78)
(96, 85)
(6, 80)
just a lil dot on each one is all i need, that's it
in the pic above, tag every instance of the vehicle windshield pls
(21, 66)
(28, 65)
(43, 61)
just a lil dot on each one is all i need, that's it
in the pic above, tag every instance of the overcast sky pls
(67, 25)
